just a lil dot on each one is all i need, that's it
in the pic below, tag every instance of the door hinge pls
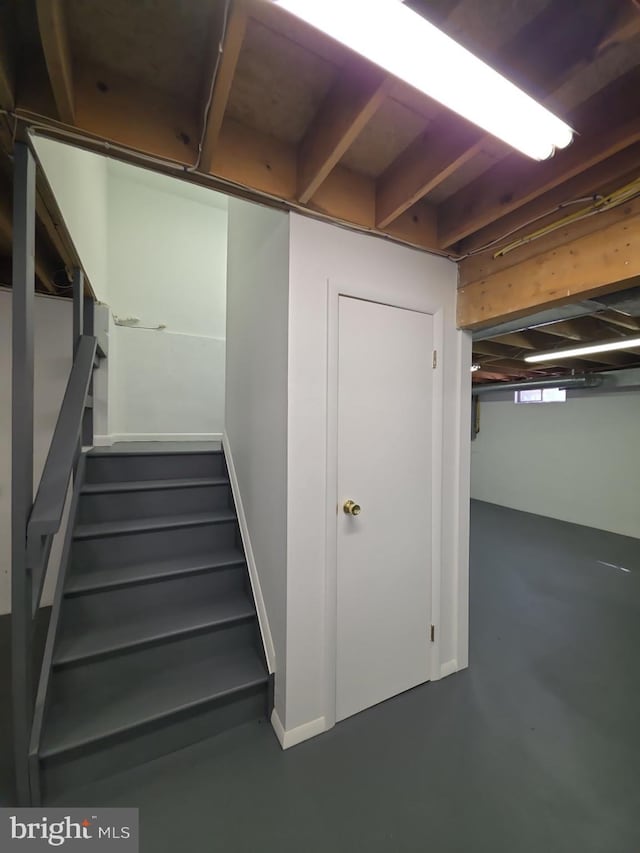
(433, 633)
(435, 358)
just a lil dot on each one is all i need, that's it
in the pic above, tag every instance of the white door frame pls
(360, 290)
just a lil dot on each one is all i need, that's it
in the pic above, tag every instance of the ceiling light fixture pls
(587, 349)
(406, 45)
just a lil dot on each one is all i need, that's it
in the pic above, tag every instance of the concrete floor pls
(535, 748)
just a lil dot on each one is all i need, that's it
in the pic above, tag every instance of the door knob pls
(352, 508)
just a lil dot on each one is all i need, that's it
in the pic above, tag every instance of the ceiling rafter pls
(223, 65)
(55, 44)
(350, 104)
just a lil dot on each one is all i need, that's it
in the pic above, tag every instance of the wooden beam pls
(57, 54)
(598, 263)
(624, 27)
(7, 62)
(431, 158)
(127, 120)
(500, 191)
(443, 150)
(226, 58)
(351, 102)
(619, 320)
(594, 182)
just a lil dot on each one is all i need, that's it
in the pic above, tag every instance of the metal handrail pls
(48, 507)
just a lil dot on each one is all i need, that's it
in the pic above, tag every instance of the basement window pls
(541, 395)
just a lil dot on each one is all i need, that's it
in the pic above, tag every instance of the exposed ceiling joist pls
(618, 320)
(430, 159)
(624, 27)
(499, 192)
(352, 101)
(412, 177)
(57, 54)
(7, 64)
(223, 66)
(580, 268)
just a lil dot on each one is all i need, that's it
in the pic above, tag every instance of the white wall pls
(577, 461)
(79, 182)
(154, 248)
(256, 404)
(323, 256)
(52, 363)
(167, 243)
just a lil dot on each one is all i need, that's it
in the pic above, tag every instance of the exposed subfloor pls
(535, 747)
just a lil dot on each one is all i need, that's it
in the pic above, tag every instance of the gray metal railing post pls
(24, 218)
(78, 307)
(87, 418)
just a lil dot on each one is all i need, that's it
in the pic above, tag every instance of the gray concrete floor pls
(536, 747)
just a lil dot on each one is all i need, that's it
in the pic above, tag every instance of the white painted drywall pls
(577, 461)
(154, 248)
(52, 363)
(79, 182)
(324, 256)
(256, 399)
(167, 243)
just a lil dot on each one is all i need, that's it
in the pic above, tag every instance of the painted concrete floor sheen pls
(534, 749)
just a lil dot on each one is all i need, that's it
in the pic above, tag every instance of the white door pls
(385, 368)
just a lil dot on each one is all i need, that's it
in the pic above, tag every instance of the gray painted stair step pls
(108, 633)
(150, 503)
(152, 485)
(114, 468)
(80, 582)
(140, 525)
(100, 700)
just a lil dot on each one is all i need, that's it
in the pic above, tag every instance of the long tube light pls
(587, 349)
(406, 45)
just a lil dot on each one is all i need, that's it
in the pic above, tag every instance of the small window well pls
(541, 395)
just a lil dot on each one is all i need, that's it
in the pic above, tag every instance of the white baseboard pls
(263, 620)
(108, 440)
(300, 733)
(448, 668)
(103, 440)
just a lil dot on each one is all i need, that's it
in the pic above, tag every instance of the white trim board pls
(108, 440)
(300, 733)
(263, 620)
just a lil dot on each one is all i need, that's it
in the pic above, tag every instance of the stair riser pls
(137, 664)
(144, 744)
(147, 504)
(82, 614)
(145, 547)
(114, 469)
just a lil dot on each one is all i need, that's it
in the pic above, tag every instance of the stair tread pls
(169, 621)
(159, 448)
(110, 708)
(150, 485)
(96, 579)
(113, 528)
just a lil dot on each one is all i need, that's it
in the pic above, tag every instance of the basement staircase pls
(154, 641)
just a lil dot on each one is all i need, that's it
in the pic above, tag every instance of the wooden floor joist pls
(585, 267)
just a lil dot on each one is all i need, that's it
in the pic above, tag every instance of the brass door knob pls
(352, 508)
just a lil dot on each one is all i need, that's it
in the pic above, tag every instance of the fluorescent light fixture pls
(406, 45)
(475, 367)
(587, 349)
